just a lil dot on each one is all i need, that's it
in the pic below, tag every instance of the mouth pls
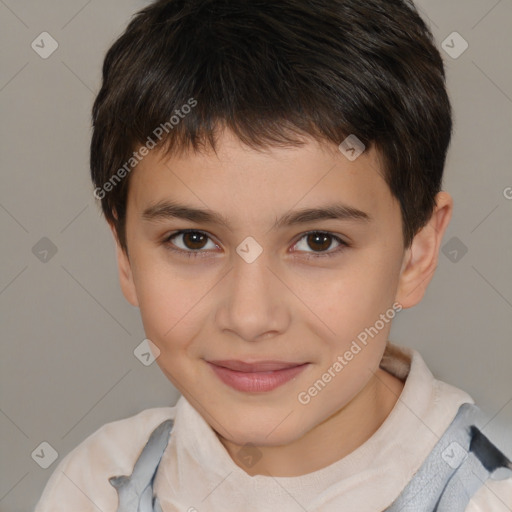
(255, 377)
(256, 367)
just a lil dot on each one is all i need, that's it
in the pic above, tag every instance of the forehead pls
(253, 185)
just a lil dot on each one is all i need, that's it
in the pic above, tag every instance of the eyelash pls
(199, 253)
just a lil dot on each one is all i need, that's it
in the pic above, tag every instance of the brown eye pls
(189, 243)
(319, 241)
(194, 240)
(315, 244)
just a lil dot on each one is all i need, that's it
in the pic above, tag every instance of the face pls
(264, 283)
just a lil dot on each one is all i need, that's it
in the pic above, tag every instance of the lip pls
(257, 366)
(256, 377)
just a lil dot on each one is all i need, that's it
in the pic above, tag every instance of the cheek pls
(169, 304)
(353, 298)
(354, 342)
(348, 306)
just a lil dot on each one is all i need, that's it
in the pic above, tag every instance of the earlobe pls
(125, 272)
(420, 260)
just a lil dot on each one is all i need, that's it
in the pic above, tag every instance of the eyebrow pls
(164, 210)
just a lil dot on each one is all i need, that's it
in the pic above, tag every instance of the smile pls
(256, 381)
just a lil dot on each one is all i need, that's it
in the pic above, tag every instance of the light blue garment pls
(462, 460)
(136, 491)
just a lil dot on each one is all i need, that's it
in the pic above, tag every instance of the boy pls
(271, 172)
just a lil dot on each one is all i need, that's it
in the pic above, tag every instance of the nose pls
(254, 301)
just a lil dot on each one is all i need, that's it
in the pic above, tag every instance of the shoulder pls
(493, 496)
(80, 481)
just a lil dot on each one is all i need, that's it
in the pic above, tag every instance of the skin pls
(282, 306)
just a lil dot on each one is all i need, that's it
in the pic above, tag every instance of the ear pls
(125, 272)
(420, 259)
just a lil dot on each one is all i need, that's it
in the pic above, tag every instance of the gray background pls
(68, 335)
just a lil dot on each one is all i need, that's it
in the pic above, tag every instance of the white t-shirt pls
(197, 474)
